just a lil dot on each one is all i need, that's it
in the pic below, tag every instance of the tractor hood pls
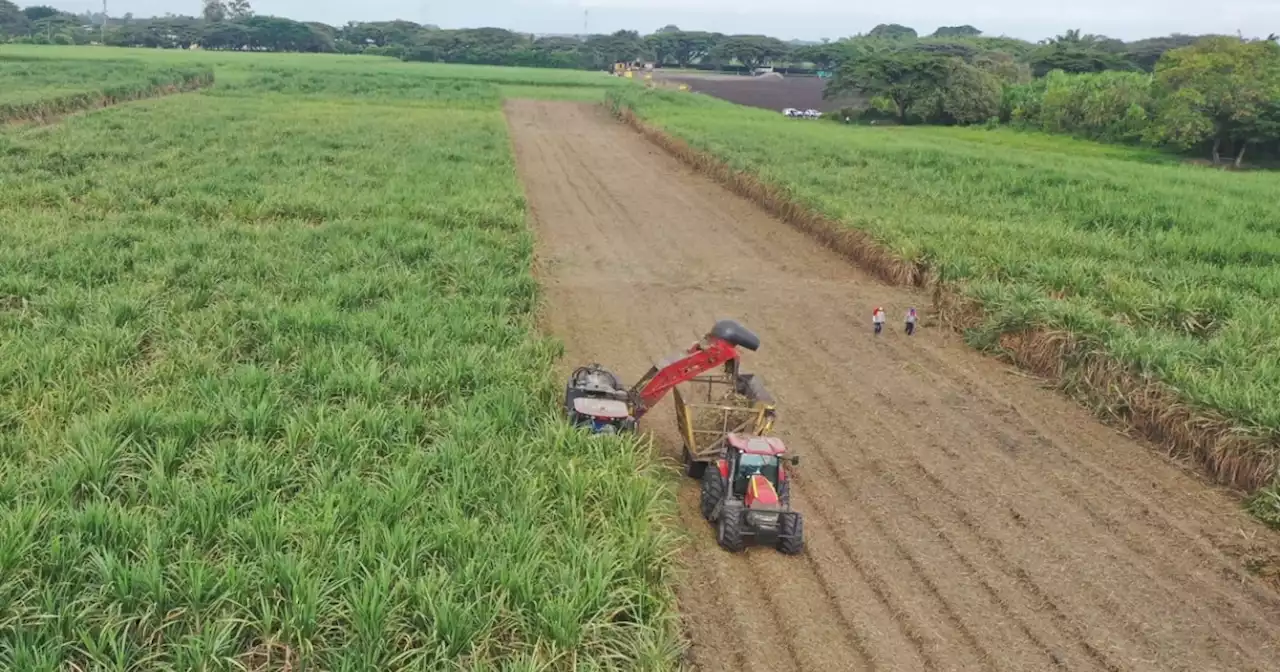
(761, 493)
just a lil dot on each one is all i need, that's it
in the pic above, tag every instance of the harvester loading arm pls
(717, 348)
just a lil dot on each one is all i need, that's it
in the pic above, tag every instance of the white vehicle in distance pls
(812, 114)
(792, 112)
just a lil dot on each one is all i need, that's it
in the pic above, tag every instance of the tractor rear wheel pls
(712, 492)
(730, 527)
(791, 533)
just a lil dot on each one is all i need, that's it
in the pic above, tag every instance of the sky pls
(789, 19)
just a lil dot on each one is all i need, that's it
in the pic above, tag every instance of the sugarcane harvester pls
(747, 492)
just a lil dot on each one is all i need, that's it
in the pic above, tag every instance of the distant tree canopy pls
(956, 31)
(12, 20)
(893, 31)
(1213, 92)
(1221, 90)
(1183, 92)
(751, 51)
(39, 12)
(923, 83)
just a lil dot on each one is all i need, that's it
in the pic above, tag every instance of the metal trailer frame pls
(703, 446)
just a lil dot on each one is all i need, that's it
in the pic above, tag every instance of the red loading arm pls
(702, 356)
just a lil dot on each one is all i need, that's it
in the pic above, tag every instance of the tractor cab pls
(754, 468)
(748, 495)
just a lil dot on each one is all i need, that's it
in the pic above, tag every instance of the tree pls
(622, 46)
(904, 77)
(1221, 89)
(214, 11)
(968, 95)
(1073, 52)
(59, 28)
(695, 46)
(751, 51)
(382, 33)
(39, 12)
(225, 35)
(1004, 66)
(1146, 53)
(824, 56)
(893, 31)
(956, 31)
(663, 45)
(239, 9)
(557, 52)
(12, 21)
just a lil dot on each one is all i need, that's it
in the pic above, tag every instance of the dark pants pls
(879, 326)
(911, 328)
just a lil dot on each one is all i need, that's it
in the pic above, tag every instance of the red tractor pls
(748, 494)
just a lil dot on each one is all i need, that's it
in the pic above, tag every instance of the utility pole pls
(585, 14)
(104, 22)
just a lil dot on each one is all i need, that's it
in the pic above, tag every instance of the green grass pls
(1171, 269)
(1042, 144)
(228, 63)
(270, 385)
(39, 88)
(582, 94)
(24, 80)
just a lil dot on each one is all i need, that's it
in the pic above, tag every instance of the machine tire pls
(712, 492)
(693, 468)
(729, 530)
(791, 529)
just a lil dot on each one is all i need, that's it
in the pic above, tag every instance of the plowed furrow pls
(958, 516)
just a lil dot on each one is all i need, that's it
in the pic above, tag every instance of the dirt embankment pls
(959, 515)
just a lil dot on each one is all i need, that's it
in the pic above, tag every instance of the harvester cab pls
(594, 399)
(748, 495)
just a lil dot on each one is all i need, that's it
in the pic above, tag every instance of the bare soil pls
(959, 515)
(768, 92)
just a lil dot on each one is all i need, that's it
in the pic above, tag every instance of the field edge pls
(666, 473)
(53, 109)
(1152, 410)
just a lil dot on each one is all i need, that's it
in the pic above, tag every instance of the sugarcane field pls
(397, 347)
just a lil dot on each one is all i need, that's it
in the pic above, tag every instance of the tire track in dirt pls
(957, 517)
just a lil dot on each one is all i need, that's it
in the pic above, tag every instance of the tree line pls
(1213, 93)
(232, 24)
(1186, 92)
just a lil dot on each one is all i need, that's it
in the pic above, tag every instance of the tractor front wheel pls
(712, 492)
(791, 533)
(730, 527)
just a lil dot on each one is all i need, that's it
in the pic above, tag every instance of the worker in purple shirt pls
(911, 321)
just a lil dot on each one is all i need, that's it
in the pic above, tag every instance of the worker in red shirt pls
(877, 319)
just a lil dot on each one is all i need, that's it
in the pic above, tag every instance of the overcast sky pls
(803, 19)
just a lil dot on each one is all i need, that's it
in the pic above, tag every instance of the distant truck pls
(805, 114)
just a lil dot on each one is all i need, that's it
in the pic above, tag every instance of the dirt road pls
(959, 516)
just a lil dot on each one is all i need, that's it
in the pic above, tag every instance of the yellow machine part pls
(704, 425)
